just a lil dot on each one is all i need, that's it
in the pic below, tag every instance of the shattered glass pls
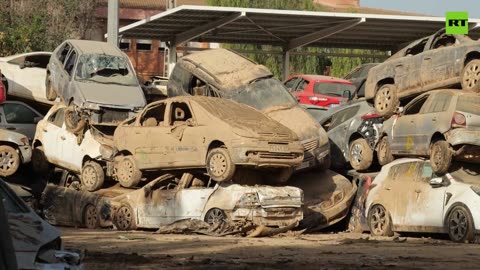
(107, 69)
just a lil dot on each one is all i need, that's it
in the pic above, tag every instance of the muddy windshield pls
(107, 69)
(263, 94)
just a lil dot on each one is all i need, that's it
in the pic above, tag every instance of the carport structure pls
(287, 29)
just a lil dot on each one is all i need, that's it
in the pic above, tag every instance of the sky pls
(427, 7)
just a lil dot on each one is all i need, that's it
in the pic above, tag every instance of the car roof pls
(94, 47)
(10, 57)
(456, 92)
(322, 78)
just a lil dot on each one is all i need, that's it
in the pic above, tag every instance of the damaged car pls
(437, 61)
(224, 73)
(15, 150)
(168, 199)
(36, 243)
(96, 81)
(441, 124)
(408, 196)
(220, 135)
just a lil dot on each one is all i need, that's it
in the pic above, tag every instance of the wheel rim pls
(437, 156)
(7, 160)
(125, 218)
(89, 176)
(383, 99)
(356, 153)
(383, 149)
(126, 170)
(472, 76)
(91, 216)
(378, 220)
(218, 164)
(215, 216)
(458, 225)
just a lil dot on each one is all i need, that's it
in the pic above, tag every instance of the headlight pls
(249, 199)
(24, 140)
(476, 189)
(91, 106)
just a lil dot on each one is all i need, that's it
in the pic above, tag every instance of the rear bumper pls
(270, 217)
(459, 136)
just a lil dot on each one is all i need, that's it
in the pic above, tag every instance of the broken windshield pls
(107, 69)
(263, 94)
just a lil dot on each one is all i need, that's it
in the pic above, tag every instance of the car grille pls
(309, 146)
(271, 155)
(274, 135)
(113, 115)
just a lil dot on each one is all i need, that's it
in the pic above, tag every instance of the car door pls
(191, 198)
(157, 205)
(299, 91)
(439, 59)
(67, 73)
(406, 129)
(51, 129)
(338, 130)
(71, 151)
(20, 118)
(407, 68)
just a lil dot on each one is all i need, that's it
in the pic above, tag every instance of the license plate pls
(303, 165)
(279, 148)
(334, 105)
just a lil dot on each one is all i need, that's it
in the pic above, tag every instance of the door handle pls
(427, 58)
(434, 119)
(417, 191)
(411, 121)
(44, 130)
(62, 137)
(11, 128)
(388, 188)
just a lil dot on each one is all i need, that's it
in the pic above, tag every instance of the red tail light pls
(370, 116)
(459, 120)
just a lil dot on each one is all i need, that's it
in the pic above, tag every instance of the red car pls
(320, 90)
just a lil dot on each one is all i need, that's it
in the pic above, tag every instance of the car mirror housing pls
(399, 110)
(436, 182)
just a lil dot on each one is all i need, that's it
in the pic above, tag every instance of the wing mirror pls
(436, 182)
(347, 94)
(399, 110)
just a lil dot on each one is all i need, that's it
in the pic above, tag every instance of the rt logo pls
(457, 23)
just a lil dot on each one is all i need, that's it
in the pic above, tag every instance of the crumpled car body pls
(97, 78)
(37, 244)
(183, 132)
(224, 73)
(168, 199)
(15, 150)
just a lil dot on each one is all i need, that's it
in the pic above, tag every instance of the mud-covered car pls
(407, 196)
(442, 125)
(354, 131)
(358, 76)
(96, 81)
(36, 243)
(203, 132)
(224, 73)
(437, 61)
(15, 150)
(168, 199)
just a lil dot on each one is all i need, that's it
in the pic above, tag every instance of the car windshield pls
(264, 94)
(103, 68)
(333, 89)
(317, 113)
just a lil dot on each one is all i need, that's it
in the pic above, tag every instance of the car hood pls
(112, 95)
(268, 196)
(258, 129)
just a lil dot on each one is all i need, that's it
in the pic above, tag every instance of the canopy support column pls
(286, 64)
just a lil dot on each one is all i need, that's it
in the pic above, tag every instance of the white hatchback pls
(407, 196)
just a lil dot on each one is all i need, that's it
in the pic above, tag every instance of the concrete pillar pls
(172, 58)
(286, 64)
(112, 29)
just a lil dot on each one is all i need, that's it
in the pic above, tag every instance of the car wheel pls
(471, 76)
(440, 156)
(9, 160)
(90, 217)
(460, 225)
(215, 216)
(379, 221)
(219, 165)
(386, 100)
(278, 176)
(124, 218)
(360, 154)
(50, 93)
(73, 121)
(127, 173)
(93, 176)
(384, 154)
(40, 163)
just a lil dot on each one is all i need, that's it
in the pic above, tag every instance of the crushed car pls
(96, 81)
(15, 150)
(224, 73)
(441, 124)
(408, 196)
(437, 61)
(36, 243)
(220, 135)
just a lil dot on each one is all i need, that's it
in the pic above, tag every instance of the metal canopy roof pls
(286, 28)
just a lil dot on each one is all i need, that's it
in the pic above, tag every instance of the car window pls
(417, 47)
(301, 86)
(70, 63)
(343, 116)
(57, 118)
(17, 61)
(405, 171)
(18, 114)
(415, 106)
(181, 77)
(290, 83)
(439, 103)
(62, 53)
(332, 89)
(444, 41)
(39, 60)
(154, 116)
(179, 113)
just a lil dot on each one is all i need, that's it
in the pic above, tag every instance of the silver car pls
(19, 117)
(96, 80)
(15, 149)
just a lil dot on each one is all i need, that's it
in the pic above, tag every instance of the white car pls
(407, 196)
(53, 144)
(24, 75)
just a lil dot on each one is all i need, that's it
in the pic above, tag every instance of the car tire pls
(127, 172)
(384, 154)
(278, 176)
(10, 160)
(379, 221)
(460, 225)
(386, 100)
(73, 121)
(440, 156)
(51, 95)
(40, 164)
(93, 176)
(471, 76)
(220, 166)
(91, 219)
(124, 218)
(215, 215)
(360, 154)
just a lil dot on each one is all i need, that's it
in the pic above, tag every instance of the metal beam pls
(112, 21)
(286, 64)
(202, 29)
(315, 36)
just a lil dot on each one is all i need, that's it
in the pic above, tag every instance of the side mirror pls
(436, 182)
(23, 65)
(347, 94)
(399, 110)
(37, 119)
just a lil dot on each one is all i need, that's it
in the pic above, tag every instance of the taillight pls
(370, 116)
(459, 120)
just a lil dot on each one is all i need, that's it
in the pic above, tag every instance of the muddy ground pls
(106, 249)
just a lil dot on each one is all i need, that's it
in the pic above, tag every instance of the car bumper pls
(459, 136)
(314, 158)
(267, 156)
(26, 153)
(269, 216)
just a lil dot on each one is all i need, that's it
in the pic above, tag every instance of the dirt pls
(145, 250)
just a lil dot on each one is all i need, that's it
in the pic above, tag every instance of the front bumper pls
(26, 153)
(265, 154)
(269, 216)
